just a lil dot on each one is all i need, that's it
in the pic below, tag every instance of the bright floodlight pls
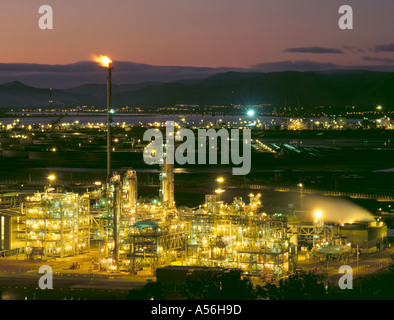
(250, 113)
(219, 191)
(220, 180)
(318, 214)
(52, 177)
(379, 107)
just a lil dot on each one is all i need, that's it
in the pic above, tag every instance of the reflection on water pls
(332, 143)
(136, 119)
(152, 170)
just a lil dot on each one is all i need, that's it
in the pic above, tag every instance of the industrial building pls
(11, 241)
(365, 236)
(11, 224)
(134, 235)
(56, 225)
(237, 236)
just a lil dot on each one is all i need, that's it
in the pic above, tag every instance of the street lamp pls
(301, 186)
(220, 180)
(51, 178)
(219, 190)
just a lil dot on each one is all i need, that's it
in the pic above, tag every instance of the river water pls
(85, 118)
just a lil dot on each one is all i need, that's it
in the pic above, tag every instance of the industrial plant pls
(132, 235)
(115, 227)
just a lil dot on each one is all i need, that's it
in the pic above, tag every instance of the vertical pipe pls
(61, 234)
(76, 239)
(89, 224)
(116, 214)
(109, 106)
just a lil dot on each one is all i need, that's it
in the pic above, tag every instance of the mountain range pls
(334, 87)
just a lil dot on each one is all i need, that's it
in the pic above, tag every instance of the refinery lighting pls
(250, 113)
(318, 214)
(220, 180)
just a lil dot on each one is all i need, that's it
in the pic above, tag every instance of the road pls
(367, 263)
(67, 286)
(19, 280)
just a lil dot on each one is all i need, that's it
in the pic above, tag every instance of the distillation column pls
(132, 189)
(167, 184)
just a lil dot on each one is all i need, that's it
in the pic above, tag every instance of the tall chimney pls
(109, 106)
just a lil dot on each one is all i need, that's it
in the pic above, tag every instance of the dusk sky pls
(204, 33)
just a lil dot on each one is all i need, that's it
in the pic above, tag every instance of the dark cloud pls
(313, 50)
(384, 48)
(386, 61)
(353, 49)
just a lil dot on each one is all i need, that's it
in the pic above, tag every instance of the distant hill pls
(80, 73)
(337, 88)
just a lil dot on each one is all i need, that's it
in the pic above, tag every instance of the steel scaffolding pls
(255, 243)
(56, 224)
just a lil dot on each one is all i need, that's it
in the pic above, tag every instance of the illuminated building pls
(235, 236)
(56, 225)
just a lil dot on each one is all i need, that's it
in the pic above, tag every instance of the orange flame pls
(103, 61)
